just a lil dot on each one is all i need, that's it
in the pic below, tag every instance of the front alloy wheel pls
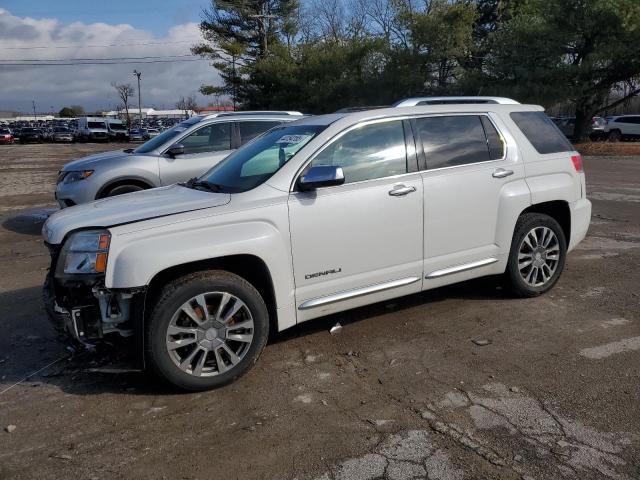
(210, 334)
(206, 329)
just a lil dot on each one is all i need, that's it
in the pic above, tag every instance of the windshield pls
(95, 125)
(61, 130)
(255, 162)
(164, 137)
(116, 126)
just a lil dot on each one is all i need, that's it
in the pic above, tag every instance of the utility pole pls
(33, 104)
(137, 74)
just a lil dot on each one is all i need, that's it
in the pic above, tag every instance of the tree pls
(550, 51)
(66, 112)
(238, 34)
(125, 92)
(187, 104)
(78, 110)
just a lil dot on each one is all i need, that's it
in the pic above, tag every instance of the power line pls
(100, 63)
(33, 47)
(91, 59)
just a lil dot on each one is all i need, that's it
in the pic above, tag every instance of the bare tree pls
(187, 104)
(125, 92)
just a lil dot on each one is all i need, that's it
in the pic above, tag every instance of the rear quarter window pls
(541, 132)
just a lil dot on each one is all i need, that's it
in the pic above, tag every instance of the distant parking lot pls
(457, 383)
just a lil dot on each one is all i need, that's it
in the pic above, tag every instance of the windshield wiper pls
(128, 150)
(195, 183)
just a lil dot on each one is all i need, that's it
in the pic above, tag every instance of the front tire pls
(206, 330)
(537, 256)
(122, 189)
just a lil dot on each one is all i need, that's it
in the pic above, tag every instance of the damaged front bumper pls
(81, 307)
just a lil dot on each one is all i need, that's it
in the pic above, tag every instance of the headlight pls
(86, 252)
(71, 177)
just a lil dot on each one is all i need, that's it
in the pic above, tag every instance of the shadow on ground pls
(33, 342)
(28, 222)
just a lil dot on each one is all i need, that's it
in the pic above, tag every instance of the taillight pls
(577, 162)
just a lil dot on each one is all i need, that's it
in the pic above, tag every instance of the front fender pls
(137, 255)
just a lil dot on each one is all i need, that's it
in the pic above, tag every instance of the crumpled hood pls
(131, 207)
(92, 161)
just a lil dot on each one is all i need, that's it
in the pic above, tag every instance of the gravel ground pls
(401, 392)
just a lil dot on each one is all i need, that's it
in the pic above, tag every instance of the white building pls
(149, 112)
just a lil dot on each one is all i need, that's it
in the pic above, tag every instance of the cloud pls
(90, 85)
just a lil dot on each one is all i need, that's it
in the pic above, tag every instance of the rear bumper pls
(580, 219)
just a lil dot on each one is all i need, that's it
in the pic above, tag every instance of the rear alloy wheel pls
(537, 256)
(206, 330)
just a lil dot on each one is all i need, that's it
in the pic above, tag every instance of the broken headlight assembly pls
(86, 252)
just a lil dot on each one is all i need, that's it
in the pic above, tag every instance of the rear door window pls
(215, 137)
(541, 132)
(449, 141)
(251, 129)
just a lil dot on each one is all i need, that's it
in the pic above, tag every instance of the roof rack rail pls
(251, 112)
(360, 108)
(416, 101)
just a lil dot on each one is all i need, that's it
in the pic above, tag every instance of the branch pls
(632, 93)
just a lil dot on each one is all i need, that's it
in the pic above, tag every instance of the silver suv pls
(187, 150)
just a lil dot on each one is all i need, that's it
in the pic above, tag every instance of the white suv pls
(624, 127)
(315, 217)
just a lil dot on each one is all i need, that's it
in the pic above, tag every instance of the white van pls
(117, 130)
(92, 129)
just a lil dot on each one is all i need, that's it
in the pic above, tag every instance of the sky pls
(67, 30)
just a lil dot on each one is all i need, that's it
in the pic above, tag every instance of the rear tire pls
(194, 351)
(537, 256)
(615, 136)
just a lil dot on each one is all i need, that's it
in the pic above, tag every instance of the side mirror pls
(321, 176)
(175, 150)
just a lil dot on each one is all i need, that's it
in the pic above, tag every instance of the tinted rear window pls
(540, 130)
(250, 130)
(451, 141)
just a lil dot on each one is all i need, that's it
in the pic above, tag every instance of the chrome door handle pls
(501, 173)
(401, 190)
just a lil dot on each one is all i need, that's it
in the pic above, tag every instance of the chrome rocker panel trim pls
(356, 292)
(461, 268)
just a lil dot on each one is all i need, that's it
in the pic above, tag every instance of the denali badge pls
(319, 274)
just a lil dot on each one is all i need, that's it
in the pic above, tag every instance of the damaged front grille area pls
(83, 307)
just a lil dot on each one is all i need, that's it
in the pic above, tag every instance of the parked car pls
(92, 129)
(31, 135)
(6, 137)
(595, 130)
(185, 151)
(315, 217)
(117, 131)
(62, 134)
(153, 132)
(135, 135)
(623, 127)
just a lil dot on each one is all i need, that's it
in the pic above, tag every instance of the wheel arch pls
(558, 210)
(250, 267)
(129, 180)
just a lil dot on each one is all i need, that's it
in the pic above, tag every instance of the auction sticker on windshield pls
(293, 138)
